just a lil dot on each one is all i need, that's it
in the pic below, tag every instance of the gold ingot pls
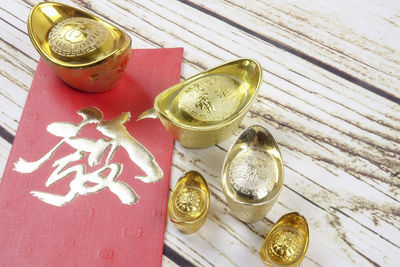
(86, 52)
(287, 242)
(208, 107)
(189, 202)
(252, 174)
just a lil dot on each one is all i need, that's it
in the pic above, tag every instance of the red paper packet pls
(91, 228)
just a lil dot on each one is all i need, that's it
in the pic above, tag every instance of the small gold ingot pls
(86, 52)
(189, 202)
(208, 107)
(287, 242)
(252, 174)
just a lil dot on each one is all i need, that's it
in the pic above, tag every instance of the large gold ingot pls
(189, 202)
(208, 107)
(287, 242)
(252, 174)
(86, 52)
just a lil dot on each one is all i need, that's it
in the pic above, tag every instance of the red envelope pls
(85, 183)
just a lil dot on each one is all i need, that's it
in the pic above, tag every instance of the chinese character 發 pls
(104, 177)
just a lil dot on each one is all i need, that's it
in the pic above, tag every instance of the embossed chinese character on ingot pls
(207, 108)
(287, 242)
(103, 177)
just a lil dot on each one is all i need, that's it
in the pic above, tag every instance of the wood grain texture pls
(308, 28)
(330, 96)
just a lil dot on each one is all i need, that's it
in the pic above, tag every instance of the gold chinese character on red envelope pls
(85, 182)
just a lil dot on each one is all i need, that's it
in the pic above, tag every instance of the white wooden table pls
(330, 97)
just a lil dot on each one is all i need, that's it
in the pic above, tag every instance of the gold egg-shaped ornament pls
(286, 243)
(189, 202)
(86, 52)
(252, 174)
(208, 107)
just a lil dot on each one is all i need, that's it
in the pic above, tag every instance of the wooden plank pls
(341, 38)
(167, 262)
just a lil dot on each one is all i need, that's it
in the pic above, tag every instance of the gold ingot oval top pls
(252, 174)
(86, 52)
(208, 107)
(189, 202)
(286, 243)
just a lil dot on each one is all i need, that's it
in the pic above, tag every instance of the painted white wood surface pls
(330, 97)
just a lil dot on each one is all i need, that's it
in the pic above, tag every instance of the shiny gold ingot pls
(86, 52)
(189, 202)
(252, 174)
(208, 107)
(287, 242)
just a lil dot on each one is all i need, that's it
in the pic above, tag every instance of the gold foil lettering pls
(84, 182)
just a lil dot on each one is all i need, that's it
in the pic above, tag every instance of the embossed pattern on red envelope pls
(85, 183)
